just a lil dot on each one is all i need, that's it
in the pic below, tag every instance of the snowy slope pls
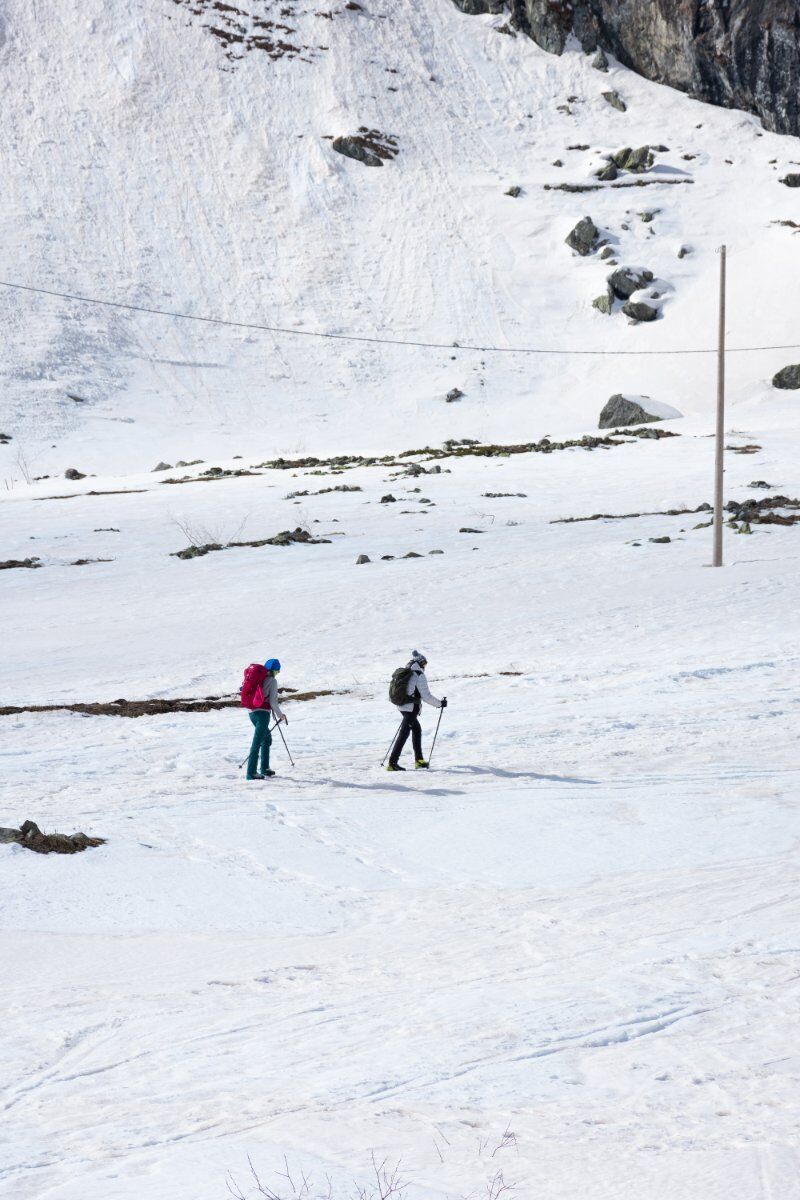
(565, 961)
(143, 165)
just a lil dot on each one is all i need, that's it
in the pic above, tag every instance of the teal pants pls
(262, 740)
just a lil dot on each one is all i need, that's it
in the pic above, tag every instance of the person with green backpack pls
(408, 689)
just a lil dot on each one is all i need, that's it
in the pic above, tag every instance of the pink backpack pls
(252, 690)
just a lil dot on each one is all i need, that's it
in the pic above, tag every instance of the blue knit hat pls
(272, 664)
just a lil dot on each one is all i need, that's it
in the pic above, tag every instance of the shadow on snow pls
(501, 774)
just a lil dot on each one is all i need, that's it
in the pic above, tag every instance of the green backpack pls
(398, 688)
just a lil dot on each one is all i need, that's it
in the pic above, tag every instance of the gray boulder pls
(600, 62)
(73, 473)
(607, 173)
(604, 303)
(362, 558)
(625, 281)
(162, 466)
(788, 378)
(792, 180)
(619, 411)
(616, 101)
(583, 238)
(637, 310)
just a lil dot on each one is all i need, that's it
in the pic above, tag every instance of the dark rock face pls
(787, 378)
(735, 53)
(620, 411)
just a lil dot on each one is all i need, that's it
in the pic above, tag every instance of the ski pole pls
(391, 743)
(244, 760)
(436, 734)
(283, 739)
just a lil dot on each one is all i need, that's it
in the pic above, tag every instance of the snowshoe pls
(395, 767)
(420, 764)
(249, 777)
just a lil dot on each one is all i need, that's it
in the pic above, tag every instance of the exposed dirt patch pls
(74, 495)
(599, 187)
(754, 512)
(286, 537)
(13, 564)
(340, 487)
(155, 708)
(31, 837)
(211, 474)
(344, 462)
(242, 30)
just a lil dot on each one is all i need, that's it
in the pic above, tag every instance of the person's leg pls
(257, 719)
(416, 739)
(401, 739)
(265, 745)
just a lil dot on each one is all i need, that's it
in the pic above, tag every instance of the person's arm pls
(274, 702)
(425, 691)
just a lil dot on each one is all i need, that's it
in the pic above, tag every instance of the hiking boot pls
(395, 767)
(267, 773)
(420, 763)
(254, 777)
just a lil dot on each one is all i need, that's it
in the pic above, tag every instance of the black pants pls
(411, 726)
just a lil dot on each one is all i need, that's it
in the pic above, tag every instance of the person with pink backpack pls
(259, 693)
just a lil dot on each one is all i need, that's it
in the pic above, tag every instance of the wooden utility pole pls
(720, 440)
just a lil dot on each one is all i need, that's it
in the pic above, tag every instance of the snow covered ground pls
(580, 927)
(566, 960)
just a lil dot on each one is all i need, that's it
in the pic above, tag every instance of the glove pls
(444, 702)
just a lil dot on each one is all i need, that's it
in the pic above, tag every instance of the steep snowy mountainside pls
(150, 161)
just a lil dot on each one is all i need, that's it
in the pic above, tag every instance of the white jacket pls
(418, 686)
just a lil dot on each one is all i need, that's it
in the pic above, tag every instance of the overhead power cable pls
(378, 341)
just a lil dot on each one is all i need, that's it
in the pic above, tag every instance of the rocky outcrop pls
(735, 53)
(625, 281)
(369, 146)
